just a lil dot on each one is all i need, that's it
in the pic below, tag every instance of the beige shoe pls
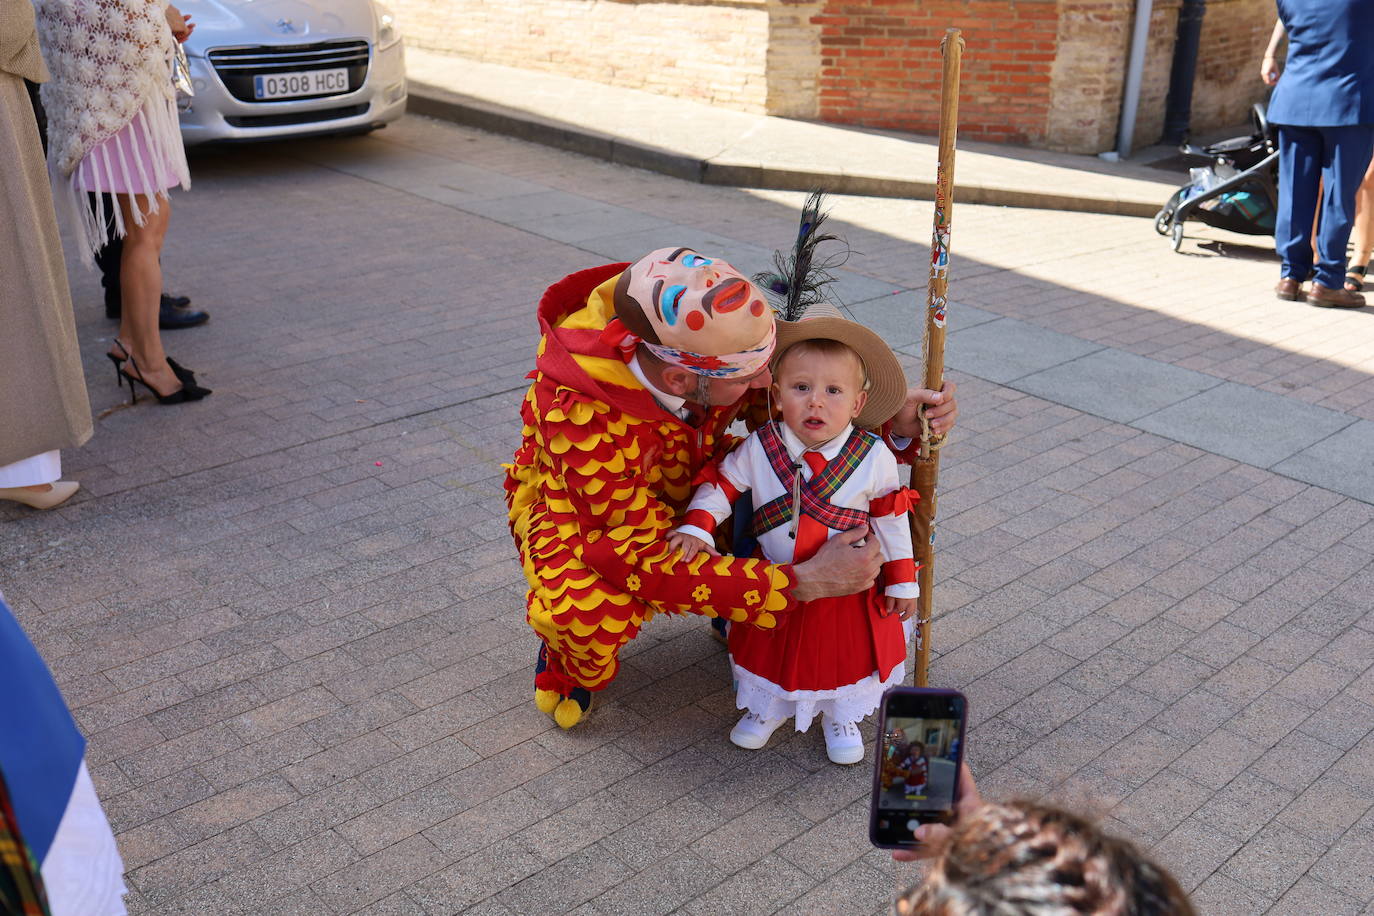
(56, 494)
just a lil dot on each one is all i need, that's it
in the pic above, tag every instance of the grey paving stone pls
(896, 313)
(379, 874)
(314, 814)
(476, 878)
(1245, 424)
(829, 846)
(674, 882)
(761, 887)
(1326, 809)
(1007, 349)
(1339, 462)
(1161, 804)
(1194, 851)
(1272, 862)
(1228, 897)
(199, 864)
(661, 833)
(1343, 722)
(1116, 384)
(562, 886)
(1346, 865)
(852, 890)
(277, 883)
(402, 775)
(462, 834)
(1309, 896)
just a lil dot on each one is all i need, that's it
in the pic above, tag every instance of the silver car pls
(264, 69)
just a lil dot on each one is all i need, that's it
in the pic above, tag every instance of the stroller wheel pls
(1162, 221)
(1178, 236)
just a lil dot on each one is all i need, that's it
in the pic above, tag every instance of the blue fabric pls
(40, 748)
(1328, 79)
(1337, 156)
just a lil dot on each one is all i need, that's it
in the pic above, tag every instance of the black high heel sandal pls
(1354, 278)
(184, 375)
(118, 361)
(187, 391)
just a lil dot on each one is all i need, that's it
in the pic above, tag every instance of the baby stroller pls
(1237, 191)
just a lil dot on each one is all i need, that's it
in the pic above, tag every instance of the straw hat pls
(886, 381)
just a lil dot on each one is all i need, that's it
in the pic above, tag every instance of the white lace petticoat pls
(849, 703)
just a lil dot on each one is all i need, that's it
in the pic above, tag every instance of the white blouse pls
(747, 469)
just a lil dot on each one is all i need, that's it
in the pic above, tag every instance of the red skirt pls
(824, 644)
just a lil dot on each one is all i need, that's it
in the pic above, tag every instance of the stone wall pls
(1234, 33)
(794, 58)
(1090, 73)
(713, 51)
(1046, 73)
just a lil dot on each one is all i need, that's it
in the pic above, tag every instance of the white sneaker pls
(843, 742)
(753, 731)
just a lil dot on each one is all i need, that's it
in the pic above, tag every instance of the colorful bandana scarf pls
(746, 362)
(731, 364)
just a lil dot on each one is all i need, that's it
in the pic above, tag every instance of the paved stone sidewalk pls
(700, 142)
(289, 617)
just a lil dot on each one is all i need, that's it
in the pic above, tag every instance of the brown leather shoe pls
(1334, 298)
(1289, 288)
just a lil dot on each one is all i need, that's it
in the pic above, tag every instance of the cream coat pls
(43, 404)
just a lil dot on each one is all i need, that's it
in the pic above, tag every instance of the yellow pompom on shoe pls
(547, 700)
(573, 708)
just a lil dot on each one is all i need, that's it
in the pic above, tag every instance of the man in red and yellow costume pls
(640, 371)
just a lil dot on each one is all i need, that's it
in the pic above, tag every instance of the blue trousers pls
(1334, 158)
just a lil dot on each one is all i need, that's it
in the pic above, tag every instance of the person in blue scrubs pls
(1323, 108)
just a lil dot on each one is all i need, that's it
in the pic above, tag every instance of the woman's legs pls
(140, 284)
(1363, 235)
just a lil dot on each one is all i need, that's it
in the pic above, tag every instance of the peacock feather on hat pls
(799, 278)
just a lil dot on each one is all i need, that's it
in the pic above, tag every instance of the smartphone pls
(916, 765)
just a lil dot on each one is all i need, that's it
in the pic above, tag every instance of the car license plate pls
(295, 85)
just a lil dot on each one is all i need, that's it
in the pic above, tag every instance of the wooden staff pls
(925, 471)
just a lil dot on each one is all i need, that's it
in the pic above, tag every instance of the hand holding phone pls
(918, 764)
(931, 837)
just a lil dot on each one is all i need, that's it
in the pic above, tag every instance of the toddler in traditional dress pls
(812, 474)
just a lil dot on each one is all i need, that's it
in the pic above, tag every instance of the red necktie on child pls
(811, 534)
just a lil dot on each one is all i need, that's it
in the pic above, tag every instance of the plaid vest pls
(815, 493)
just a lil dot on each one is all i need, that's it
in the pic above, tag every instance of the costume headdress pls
(692, 311)
(804, 313)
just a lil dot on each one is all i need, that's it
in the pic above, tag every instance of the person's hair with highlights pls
(1025, 858)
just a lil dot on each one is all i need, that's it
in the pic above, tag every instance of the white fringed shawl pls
(110, 63)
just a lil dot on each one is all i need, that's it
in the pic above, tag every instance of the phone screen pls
(920, 744)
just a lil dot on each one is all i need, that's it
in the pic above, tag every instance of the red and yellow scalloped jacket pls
(596, 485)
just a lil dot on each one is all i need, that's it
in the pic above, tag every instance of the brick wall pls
(1046, 73)
(881, 65)
(712, 51)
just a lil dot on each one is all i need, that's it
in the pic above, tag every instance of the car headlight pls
(387, 32)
